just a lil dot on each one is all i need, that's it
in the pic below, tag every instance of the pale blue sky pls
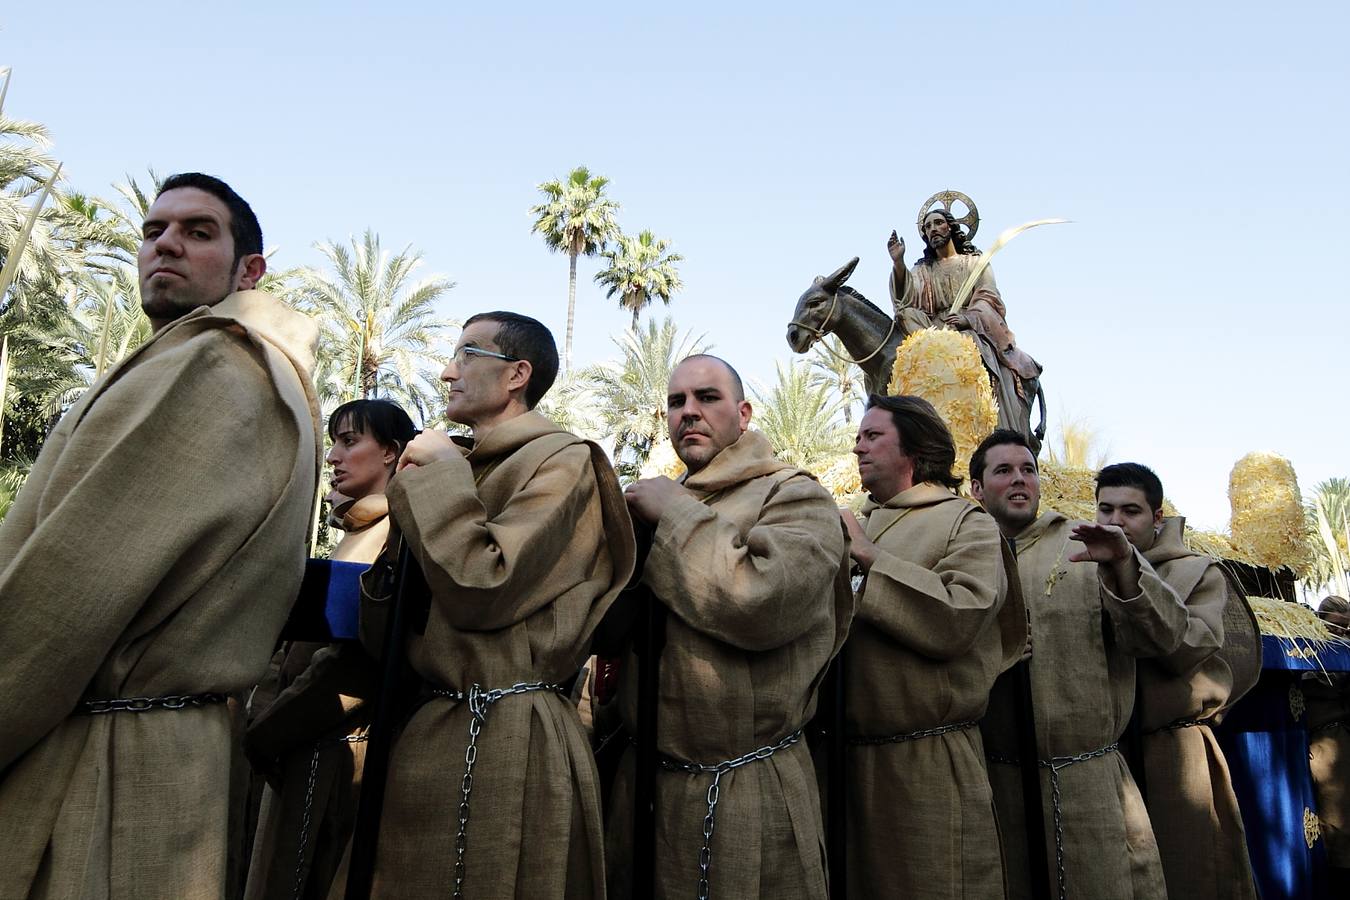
(1196, 309)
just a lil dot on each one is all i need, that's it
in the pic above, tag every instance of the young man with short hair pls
(1095, 606)
(1184, 694)
(146, 570)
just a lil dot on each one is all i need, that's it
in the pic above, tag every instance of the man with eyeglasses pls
(524, 539)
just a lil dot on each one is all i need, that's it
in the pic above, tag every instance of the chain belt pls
(1055, 764)
(717, 770)
(1328, 726)
(1176, 725)
(480, 701)
(311, 782)
(868, 740)
(146, 704)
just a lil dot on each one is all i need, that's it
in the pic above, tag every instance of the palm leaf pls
(1002, 241)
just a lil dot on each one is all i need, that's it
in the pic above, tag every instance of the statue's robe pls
(525, 542)
(155, 551)
(934, 628)
(316, 729)
(752, 570)
(1084, 643)
(1190, 797)
(927, 299)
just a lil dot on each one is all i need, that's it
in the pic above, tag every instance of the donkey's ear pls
(836, 281)
(819, 279)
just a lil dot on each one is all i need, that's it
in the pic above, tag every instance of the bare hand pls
(957, 321)
(1103, 544)
(428, 447)
(648, 498)
(863, 551)
(896, 247)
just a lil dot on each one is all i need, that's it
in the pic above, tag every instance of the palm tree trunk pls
(571, 309)
(635, 318)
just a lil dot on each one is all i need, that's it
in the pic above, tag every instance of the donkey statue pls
(871, 336)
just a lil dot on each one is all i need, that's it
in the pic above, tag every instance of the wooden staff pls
(409, 586)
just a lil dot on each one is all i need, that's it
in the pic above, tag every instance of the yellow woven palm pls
(944, 368)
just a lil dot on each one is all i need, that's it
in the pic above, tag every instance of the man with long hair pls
(932, 631)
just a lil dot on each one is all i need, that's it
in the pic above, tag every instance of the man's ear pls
(977, 490)
(745, 411)
(519, 376)
(1157, 519)
(250, 271)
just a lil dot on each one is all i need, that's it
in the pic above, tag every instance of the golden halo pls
(944, 200)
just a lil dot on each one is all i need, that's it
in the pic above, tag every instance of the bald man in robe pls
(748, 557)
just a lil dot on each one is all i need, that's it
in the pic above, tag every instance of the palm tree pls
(59, 356)
(798, 418)
(631, 394)
(576, 218)
(834, 371)
(378, 327)
(1328, 514)
(640, 270)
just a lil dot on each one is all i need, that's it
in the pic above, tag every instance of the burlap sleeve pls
(146, 478)
(759, 593)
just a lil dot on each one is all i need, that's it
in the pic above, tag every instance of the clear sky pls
(1195, 310)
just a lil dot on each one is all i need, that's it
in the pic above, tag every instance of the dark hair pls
(383, 420)
(1136, 476)
(244, 227)
(998, 438)
(527, 339)
(736, 384)
(924, 438)
(959, 239)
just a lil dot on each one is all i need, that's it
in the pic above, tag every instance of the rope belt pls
(717, 770)
(299, 881)
(867, 740)
(146, 704)
(1055, 764)
(480, 701)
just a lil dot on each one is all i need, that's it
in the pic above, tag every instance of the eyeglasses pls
(463, 354)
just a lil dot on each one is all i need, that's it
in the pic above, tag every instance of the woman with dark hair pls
(311, 739)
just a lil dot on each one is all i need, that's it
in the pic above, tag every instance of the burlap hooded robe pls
(1191, 802)
(155, 550)
(522, 566)
(935, 626)
(320, 717)
(1084, 643)
(753, 575)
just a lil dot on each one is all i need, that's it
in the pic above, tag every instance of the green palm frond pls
(799, 418)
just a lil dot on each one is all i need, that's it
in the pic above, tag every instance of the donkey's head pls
(815, 316)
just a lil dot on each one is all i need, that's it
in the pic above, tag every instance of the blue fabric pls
(1267, 753)
(329, 602)
(1276, 655)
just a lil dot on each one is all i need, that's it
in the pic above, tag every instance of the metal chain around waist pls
(310, 784)
(868, 740)
(717, 770)
(146, 704)
(1328, 726)
(1175, 725)
(1055, 764)
(479, 702)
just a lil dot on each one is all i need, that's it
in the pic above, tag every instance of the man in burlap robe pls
(1182, 696)
(748, 557)
(1095, 605)
(933, 630)
(525, 542)
(154, 554)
